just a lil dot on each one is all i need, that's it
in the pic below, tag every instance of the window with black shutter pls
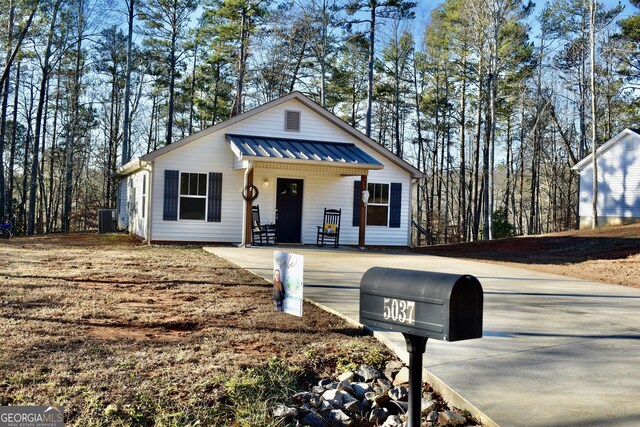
(193, 195)
(378, 205)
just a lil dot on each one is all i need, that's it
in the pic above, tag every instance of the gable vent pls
(292, 121)
(630, 145)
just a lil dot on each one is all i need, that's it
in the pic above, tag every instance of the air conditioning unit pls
(107, 221)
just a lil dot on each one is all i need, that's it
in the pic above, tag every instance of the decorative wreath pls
(250, 193)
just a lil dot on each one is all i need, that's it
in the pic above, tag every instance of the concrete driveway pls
(556, 351)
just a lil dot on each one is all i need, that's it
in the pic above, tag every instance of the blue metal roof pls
(300, 149)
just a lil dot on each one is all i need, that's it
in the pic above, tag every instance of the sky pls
(424, 8)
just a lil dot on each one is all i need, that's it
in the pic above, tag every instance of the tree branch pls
(5, 73)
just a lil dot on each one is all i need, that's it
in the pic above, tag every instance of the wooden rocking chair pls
(261, 235)
(330, 229)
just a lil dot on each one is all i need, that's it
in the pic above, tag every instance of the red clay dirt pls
(609, 254)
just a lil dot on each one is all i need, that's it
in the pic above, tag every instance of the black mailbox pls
(433, 305)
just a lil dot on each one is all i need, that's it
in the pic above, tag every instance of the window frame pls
(387, 204)
(190, 196)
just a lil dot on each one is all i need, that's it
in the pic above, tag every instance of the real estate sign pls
(287, 282)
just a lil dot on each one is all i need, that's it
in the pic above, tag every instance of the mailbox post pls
(421, 305)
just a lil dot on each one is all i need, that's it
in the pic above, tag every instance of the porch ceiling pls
(285, 152)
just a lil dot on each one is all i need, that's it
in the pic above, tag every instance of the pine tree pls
(167, 23)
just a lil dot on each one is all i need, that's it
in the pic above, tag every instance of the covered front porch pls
(292, 182)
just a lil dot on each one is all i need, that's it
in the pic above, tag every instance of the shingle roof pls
(298, 149)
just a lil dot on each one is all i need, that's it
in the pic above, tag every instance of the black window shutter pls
(170, 211)
(357, 195)
(395, 203)
(214, 199)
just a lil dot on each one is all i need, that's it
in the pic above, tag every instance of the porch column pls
(249, 204)
(363, 213)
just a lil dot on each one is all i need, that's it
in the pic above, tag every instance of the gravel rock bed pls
(367, 397)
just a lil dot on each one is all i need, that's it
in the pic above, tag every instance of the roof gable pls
(585, 162)
(306, 102)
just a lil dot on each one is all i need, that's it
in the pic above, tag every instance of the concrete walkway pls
(556, 351)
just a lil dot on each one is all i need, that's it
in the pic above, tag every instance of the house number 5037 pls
(400, 311)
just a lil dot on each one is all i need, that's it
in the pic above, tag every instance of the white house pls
(618, 181)
(300, 157)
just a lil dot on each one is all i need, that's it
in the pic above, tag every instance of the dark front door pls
(289, 206)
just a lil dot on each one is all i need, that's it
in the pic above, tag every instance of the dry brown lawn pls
(122, 333)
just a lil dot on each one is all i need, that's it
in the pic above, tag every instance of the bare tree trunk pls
(594, 135)
(509, 165)
(192, 89)
(3, 119)
(25, 165)
(151, 121)
(40, 229)
(41, 104)
(372, 40)
(448, 172)
(110, 148)
(16, 49)
(172, 85)
(49, 208)
(485, 176)
(582, 111)
(323, 57)
(396, 119)
(214, 119)
(521, 169)
(126, 145)
(421, 150)
(74, 126)
(12, 151)
(462, 217)
(244, 36)
(476, 156)
(492, 136)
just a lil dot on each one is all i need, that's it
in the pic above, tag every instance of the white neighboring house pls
(618, 181)
(301, 158)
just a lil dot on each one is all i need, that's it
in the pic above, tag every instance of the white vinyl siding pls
(212, 154)
(618, 182)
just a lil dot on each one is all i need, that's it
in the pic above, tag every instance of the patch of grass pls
(362, 351)
(251, 394)
(99, 351)
(31, 377)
